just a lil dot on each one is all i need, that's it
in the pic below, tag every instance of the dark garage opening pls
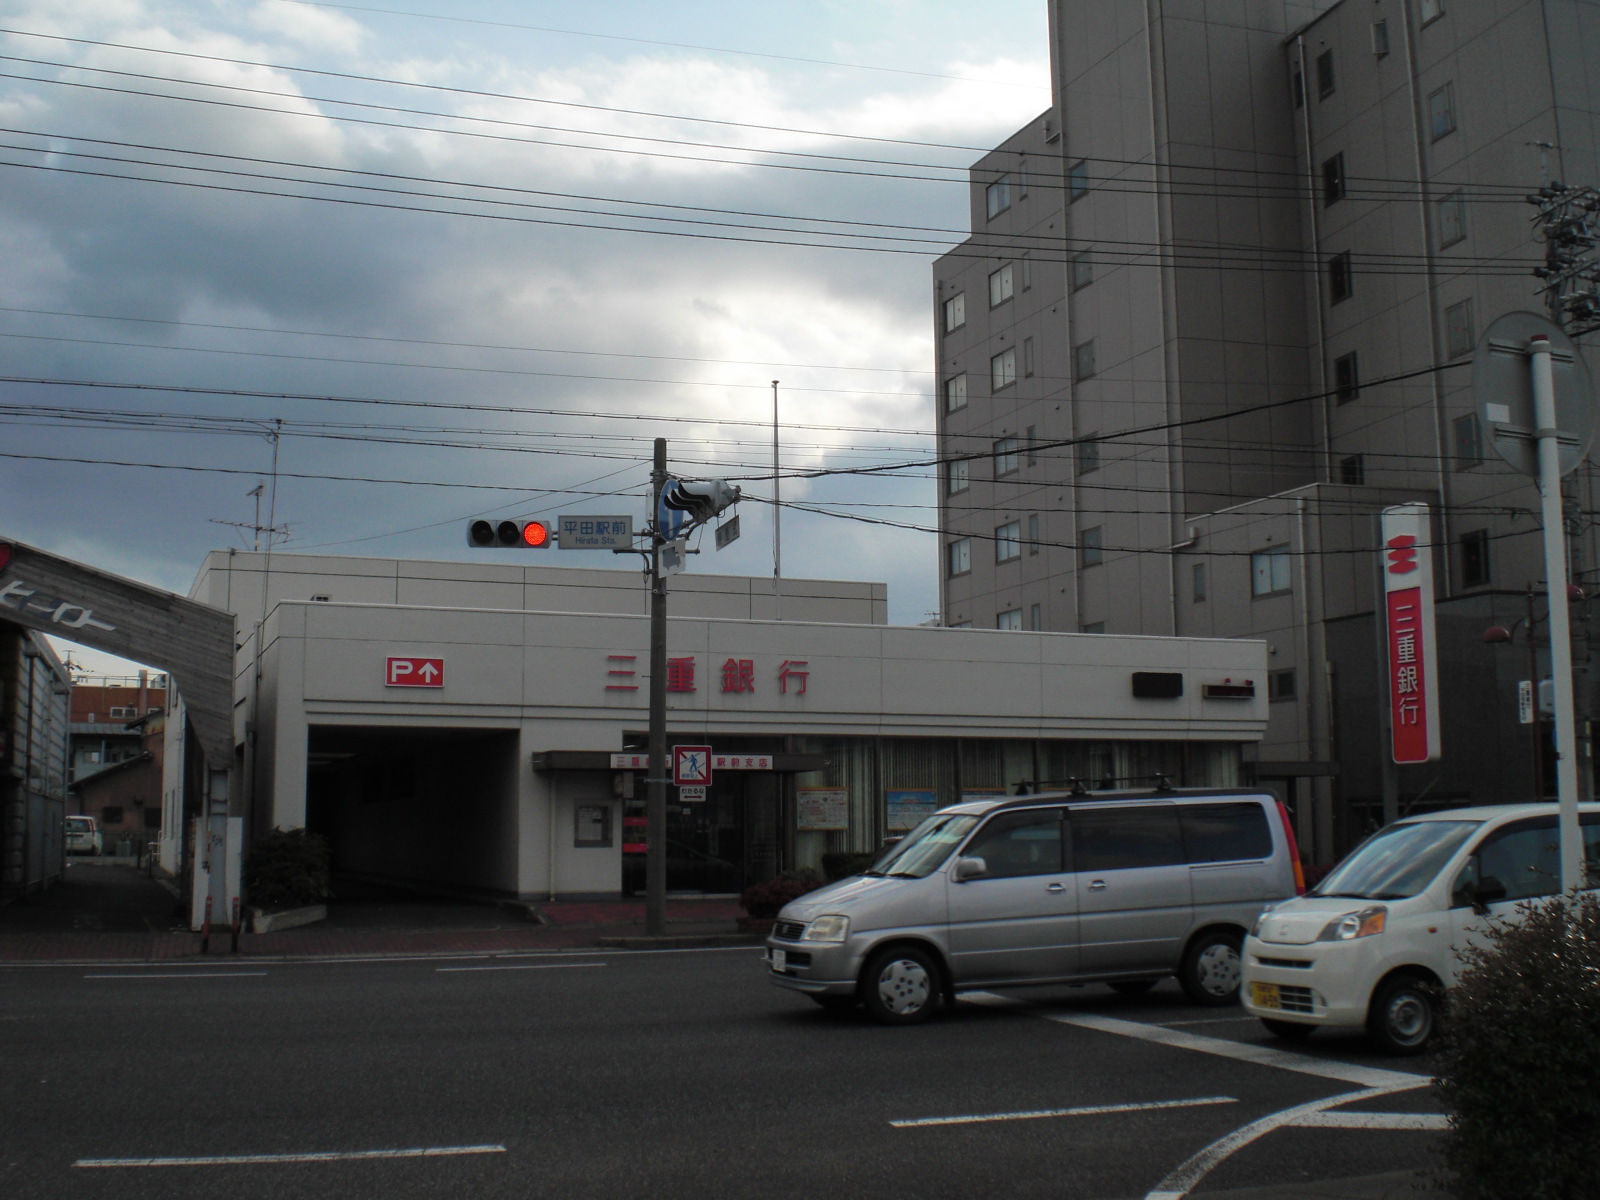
(427, 810)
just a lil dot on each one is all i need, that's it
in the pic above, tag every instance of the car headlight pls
(1359, 924)
(831, 928)
(1255, 930)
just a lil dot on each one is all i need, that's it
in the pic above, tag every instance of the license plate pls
(780, 960)
(1265, 995)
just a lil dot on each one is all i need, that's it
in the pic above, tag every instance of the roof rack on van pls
(1079, 787)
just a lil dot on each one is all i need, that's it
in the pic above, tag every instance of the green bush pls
(841, 864)
(766, 899)
(287, 867)
(1521, 1056)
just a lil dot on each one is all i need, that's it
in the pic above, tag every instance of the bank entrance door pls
(717, 846)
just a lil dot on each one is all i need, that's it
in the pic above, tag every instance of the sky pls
(443, 260)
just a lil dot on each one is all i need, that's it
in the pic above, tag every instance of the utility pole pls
(655, 855)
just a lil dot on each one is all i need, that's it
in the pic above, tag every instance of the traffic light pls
(695, 500)
(528, 535)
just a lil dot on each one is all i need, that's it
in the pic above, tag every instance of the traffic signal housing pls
(696, 500)
(499, 535)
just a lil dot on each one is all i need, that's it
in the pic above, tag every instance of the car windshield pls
(921, 851)
(1397, 861)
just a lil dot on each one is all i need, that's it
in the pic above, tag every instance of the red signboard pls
(414, 672)
(1408, 609)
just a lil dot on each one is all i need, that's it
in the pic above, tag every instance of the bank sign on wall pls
(1413, 663)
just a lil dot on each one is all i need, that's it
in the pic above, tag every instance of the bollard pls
(235, 949)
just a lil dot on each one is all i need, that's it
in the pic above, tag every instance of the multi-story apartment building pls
(1218, 309)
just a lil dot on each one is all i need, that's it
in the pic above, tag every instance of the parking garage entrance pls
(424, 809)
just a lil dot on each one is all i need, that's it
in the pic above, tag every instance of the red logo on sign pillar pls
(1402, 554)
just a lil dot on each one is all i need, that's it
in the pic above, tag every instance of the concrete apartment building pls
(1218, 309)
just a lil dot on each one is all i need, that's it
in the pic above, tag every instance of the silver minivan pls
(1123, 888)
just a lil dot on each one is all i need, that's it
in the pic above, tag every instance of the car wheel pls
(1132, 987)
(1404, 1015)
(900, 985)
(1210, 970)
(1289, 1031)
(835, 1003)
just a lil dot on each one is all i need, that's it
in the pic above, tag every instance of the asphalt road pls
(654, 1074)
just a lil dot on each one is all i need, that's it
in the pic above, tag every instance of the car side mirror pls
(970, 868)
(1489, 890)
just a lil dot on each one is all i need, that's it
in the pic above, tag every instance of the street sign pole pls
(655, 855)
(1555, 566)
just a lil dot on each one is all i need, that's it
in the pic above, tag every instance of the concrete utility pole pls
(655, 855)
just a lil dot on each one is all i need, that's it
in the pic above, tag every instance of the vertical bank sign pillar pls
(1413, 660)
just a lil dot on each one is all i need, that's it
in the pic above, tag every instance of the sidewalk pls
(108, 911)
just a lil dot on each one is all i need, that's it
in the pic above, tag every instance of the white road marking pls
(1373, 1120)
(186, 975)
(524, 967)
(1090, 1111)
(1206, 1021)
(255, 1159)
(1266, 1056)
(1180, 1181)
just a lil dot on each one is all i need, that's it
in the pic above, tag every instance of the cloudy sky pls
(473, 256)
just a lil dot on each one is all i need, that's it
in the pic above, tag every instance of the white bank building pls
(479, 728)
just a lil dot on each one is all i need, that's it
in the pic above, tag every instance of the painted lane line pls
(1089, 1111)
(221, 1160)
(524, 967)
(1266, 1056)
(1187, 1174)
(1206, 1021)
(186, 975)
(1373, 1120)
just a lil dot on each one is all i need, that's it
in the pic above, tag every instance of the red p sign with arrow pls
(414, 672)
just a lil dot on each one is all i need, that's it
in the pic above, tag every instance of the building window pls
(997, 196)
(1003, 369)
(1431, 10)
(1083, 361)
(955, 312)
(1082, 270)
(1078, 180)
(1380, 38)
(1442, 111)
(955, 393)
(1325, 86)
(1352, 470)
(1333, 179)
(1088, 455)
(1027, 271)
(122, 713)
(960, 475)
(1035, 619)
(1032, 443)
(1346, 378)
(1197, 582)
(1027, 357)
(1005, 456)
(1269, 571)
(960, 556)
(1280, 684)
(1469, 441)
(1010, 619)
(1460, 337)
(1008, 542)
(1475, 558)
(111, 814)
(1340, 282)
(1092, 627)
(1452, 220)
(1033, 533)
(1001, 285)
(1091, 551)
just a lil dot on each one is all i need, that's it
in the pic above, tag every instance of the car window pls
(1525, 856)
(921, 851)
(1111, 839)
(1019, 843)
(1225, 832)
(1397, 861)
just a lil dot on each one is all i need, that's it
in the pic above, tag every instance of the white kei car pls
(1374, 944)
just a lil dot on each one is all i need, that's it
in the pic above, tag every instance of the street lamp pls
(1500, 634)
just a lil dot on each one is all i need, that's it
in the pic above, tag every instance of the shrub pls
(765, 899)
(1520, 1058)
(841, 864)
(287, 867)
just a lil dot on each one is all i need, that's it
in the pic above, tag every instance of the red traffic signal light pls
(532, 535)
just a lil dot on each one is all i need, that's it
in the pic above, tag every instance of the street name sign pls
(594, 533)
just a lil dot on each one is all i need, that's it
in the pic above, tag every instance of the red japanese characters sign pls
(414, 672)
(1408, 608)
